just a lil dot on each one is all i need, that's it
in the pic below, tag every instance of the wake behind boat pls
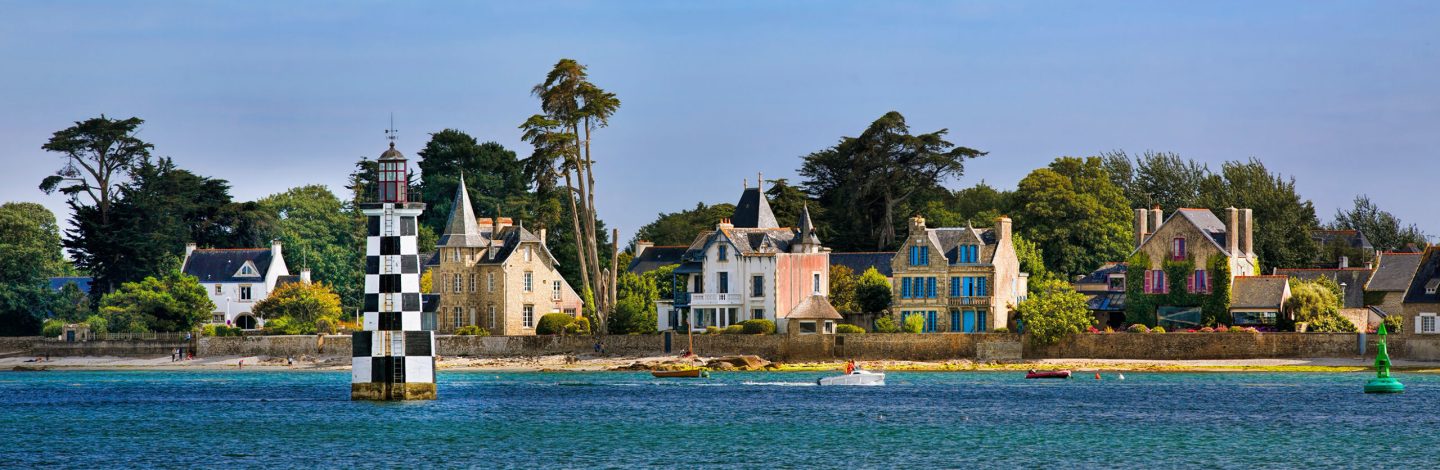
(857, 377)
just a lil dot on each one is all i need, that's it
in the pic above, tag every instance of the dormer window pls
(1117, 283)
(919, 256)
(967, 254)
(1432, 286)
(1177, 247)
(247, 270)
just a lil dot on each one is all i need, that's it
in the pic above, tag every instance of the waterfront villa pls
(1259, 300)
(236, 279)
(1422, 299)
(750, 268)
(959, 279)
(496, 274)
(1194, 237)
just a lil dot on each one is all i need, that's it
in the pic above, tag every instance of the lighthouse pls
(394, 355)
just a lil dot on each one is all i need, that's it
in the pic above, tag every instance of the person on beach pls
(241, 364)
(849, 367)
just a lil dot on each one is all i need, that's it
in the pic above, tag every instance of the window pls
(829, 327)
(807, 327)
(217, 289)
(527, 316)
(490, 281)
(1199, 282)
(459, 311)
(757, 286)
(1117, 283)
(723, 283)
(1425, 324)
(757, 314)
(919, 256)
(954, 321)
(968, 253)
(458, 283)
(555, 292)
(1177, 247)
(721, 252)
(1432, 286)
(529, 281)
(1155, 282)
(905, 287)
(528, 254)
(816, 277)
(472, 282)
(929, 287)
(699, 287)
(246, 270)
(455, 254)
(955, 286)
(244, 292)
(492, 317)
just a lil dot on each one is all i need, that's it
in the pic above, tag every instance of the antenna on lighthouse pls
(391, 134)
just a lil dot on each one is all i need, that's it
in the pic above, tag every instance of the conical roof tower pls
(461, 230)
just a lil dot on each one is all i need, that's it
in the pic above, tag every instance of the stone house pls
(1258, 300)
(1422, 299)
(814, 315)
(1386, 289)
(1193, 235)
(496, 274)
(959, 279)
(236, 279)
(747, 268)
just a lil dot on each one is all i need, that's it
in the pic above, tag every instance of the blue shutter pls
(954, 286)
(981, 291)
(925, 256)
(930, 287)
(904, 288)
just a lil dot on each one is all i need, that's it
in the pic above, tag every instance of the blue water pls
(620, 419)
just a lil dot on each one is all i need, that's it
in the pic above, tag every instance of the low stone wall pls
(1180, 346)
(17, 345)
(275, 346)
(132, 348)
(1413, 347)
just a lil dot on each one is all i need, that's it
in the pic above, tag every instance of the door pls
(969, 321)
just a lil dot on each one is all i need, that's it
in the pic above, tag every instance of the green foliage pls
(635, 304)
(679, 228)
(1074, 213)
(1158, 329)
(843, 285)
(1382, 228)
(1283, 219)
(1032, 261)
(885, 324)
(872, 292)
(106, 148)
(758, 327)
(1054, 313)
(868, 182)
(1394, 324)
(581, 326)
(29, 255)
(286, 325)
(664, 279)
(471, 330)
(848, 329)
(1138, 328)
(1157, 178)
(1318, 302)
(493, 176)
(302, 304)
(712, 330)
(1002, 330)
(97, 323)
(1139, 306)
(914, 324)
(1333, 323)
(553, 323)
(320, 233)
(220, 330)
(175, 302)
(734, 329)
(786, 202)
(50, 328)
(1216, 306)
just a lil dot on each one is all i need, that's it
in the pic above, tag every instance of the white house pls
(747, 268)
(235, 279)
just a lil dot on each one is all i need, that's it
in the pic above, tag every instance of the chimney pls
(641, 246)
(275, 249)
(542, 237)
(1142, 226)
(917, 225)
(189, 248)
(1003, 225)
(1157, 217)
(501, 223)
(724, 223)
(1248, 232)
(305, 275)
(1232, 230)
(1344, 262)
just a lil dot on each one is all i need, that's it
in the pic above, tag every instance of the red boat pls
(1048, 374)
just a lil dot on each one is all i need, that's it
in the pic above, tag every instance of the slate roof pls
(859, 262)
(220, 265)
(1350, 238)
(1207, 222)
(83, 283)
(949, 239)
(1427, 276)
(283, 280)
(1102, 275)
(656, 257)
(1106, 301)
(1353, 278)
(815, 307)
(462, 230)
(1252, 292)
(747, 241)
(753, 211)
(1393, 272)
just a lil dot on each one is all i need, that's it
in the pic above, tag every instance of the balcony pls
(975, 301)
(682, 298)
(715, 299)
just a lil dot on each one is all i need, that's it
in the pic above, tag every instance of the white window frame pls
(219, 290)
(1420, 323)
(816, 277)
(490, 281)
(492, 317)
(527, 316)
(246, 293)
(459, 312)
(555, 293)
(529, 281)
(528, 255)
(458, 282)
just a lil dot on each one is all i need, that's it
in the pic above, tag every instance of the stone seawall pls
(17, 345)
(928, 347)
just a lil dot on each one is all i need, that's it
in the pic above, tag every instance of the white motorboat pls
(858, 377)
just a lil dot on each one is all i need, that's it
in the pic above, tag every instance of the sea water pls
(281, 419)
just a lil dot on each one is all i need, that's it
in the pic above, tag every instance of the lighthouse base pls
(375, 391)
(1384, 385)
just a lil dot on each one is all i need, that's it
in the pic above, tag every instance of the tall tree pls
(572, 109)
(320, 234)
(1283, 220)
(494, 176)
(680, 228)
(1384, 230)
(29, 255)
(786, 202)
(172, 302)
(1157, 178)
(871, 178)
(1075, 214)
(105, 150)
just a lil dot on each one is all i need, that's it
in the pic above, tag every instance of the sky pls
(271, 95)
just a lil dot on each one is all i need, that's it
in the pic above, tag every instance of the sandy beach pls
(584, 363)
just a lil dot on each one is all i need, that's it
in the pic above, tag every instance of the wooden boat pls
(858, 377)
(1048, 374)
(684, 374)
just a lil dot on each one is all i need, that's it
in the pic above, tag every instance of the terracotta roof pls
(815, 307)
(1254, 292)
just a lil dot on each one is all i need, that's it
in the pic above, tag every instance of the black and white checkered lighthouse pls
(394, 357)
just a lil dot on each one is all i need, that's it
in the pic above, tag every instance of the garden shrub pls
(1221, 329)
(1332, 323)
(1002, 330)
(758, 327)
(1158, 329)
(734, 329)
(886, 324)
(848, 329)
(914, 324)
(471, 330)
(1393, 323)
(1207, 329)
(553, 323)
(51, 328)
(326, 325)
(1138, 328)
(712, 330)
(1109, 330)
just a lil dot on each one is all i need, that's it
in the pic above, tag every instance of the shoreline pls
(560, 363)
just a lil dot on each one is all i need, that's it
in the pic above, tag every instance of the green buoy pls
(1383, 383)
